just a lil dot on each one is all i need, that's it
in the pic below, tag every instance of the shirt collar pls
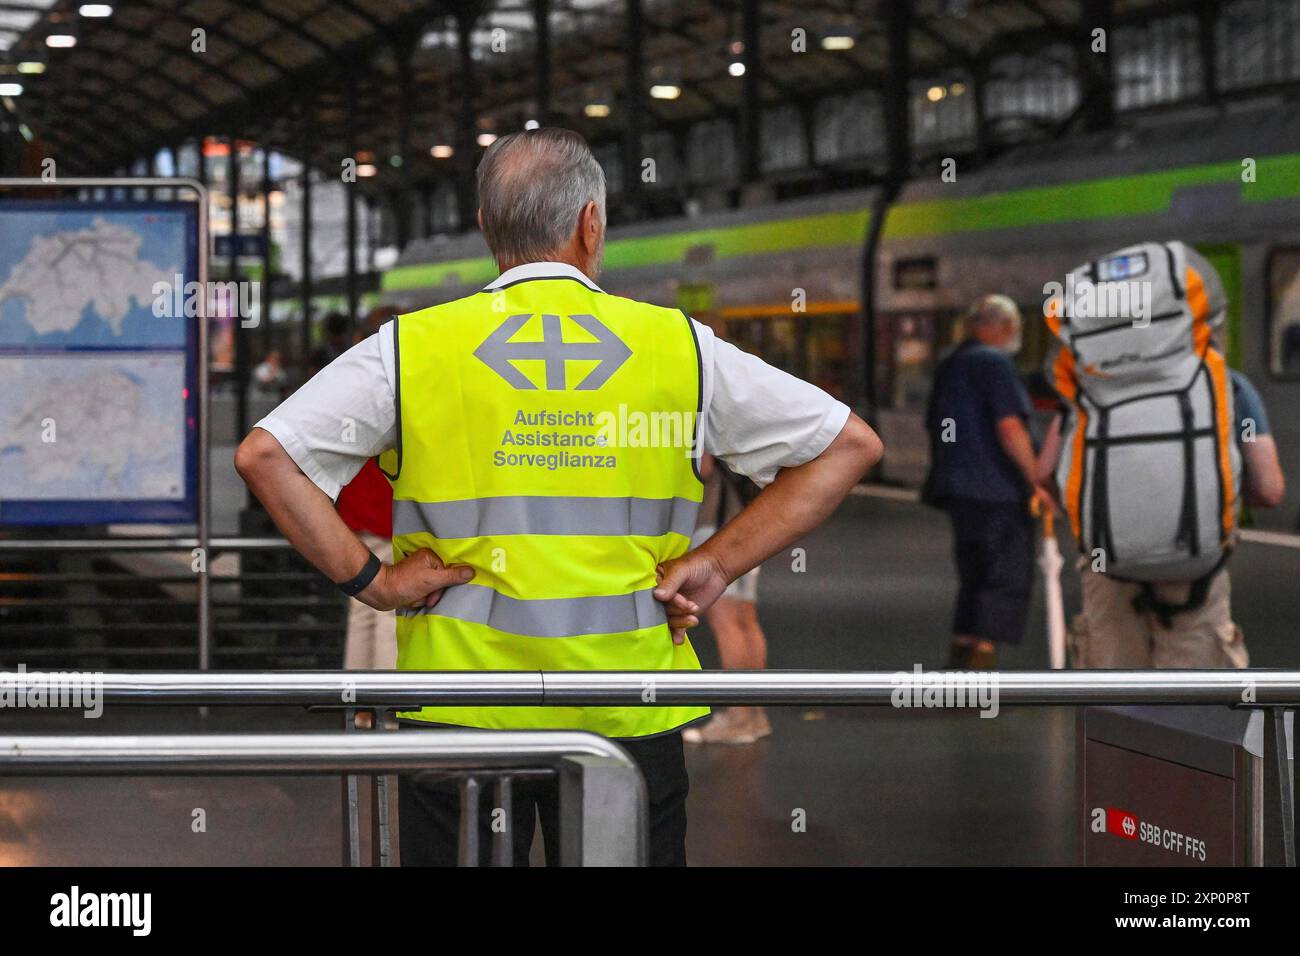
(541, 270)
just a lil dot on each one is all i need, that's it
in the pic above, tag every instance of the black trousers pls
(429, 810)
(993, 544)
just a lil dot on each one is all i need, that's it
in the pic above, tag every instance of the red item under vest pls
(366, 503)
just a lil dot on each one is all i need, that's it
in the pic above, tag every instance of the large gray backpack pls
(1149, 471)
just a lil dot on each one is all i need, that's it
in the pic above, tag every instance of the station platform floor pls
(876, 786)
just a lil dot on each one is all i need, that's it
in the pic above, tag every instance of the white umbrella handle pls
(1051, 562)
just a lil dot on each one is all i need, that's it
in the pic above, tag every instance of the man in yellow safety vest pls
(542, 439)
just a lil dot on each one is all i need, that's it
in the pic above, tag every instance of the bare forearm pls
(798, 500)
(1264, 485)
(1014, 438)
(1050, 455)
(303, 513)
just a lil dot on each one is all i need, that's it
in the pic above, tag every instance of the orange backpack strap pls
(1221, 383)
(1061, 376)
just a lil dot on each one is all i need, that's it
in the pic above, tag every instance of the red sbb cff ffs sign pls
(1121, 823)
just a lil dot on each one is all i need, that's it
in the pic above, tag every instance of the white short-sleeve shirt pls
(756, 418)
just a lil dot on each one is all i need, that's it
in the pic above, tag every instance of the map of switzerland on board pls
(95, 387)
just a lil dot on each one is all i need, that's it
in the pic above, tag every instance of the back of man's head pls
(532, 187)
(995, 320)
(993, 310)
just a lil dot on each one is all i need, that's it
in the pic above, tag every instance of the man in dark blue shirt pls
(982, 468)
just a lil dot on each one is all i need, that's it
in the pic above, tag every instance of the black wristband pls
(359, 583)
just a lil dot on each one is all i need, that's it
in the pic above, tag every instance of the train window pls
(916, 272)
(1284, 312)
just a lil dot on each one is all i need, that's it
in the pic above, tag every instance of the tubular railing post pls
(616, 835)
(203, 525)
(381, 842)
(468, 851)
(351, 804)
(503, 839)
(569, 781)
(1279, 792)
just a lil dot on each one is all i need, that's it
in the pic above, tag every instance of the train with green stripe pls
(786, 280)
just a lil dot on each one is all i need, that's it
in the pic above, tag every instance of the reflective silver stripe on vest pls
(547, 617)
(527, 514)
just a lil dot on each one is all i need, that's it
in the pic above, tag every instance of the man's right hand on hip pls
(687, 587)
(418, 580)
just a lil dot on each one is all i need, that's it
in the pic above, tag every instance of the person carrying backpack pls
(1148, 456)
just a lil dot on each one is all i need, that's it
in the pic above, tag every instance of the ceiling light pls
(11, 89)
(665, 91)
(486, 139)
(957, 89)
(60, 41)
(532, 124)
(442, 151)
(935, 93)
(596, 110)
(736, 69)
(367, 170)
(837, 41)
(95, 10)
(32, 67)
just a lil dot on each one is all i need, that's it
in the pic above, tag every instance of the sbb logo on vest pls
(498, 352)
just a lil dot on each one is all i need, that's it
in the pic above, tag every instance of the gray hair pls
(532, 186)
(990, 309)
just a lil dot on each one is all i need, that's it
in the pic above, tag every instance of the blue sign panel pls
(98, 367)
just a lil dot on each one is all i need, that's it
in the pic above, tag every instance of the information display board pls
(99, 358)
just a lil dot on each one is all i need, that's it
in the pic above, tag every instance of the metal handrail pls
(1273, 690)
(595, 774)
(315, 753)
(116, 543)
(398, 689)
(882, 688)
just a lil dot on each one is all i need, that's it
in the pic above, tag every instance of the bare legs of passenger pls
(972, 653)
(741, 646)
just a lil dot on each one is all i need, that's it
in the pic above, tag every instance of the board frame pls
(25, 512)
(203, 511)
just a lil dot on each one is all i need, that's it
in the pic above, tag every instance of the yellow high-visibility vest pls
(546, 440)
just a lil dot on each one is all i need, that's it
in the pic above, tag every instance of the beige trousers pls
(1111, 634)
(372, 635)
